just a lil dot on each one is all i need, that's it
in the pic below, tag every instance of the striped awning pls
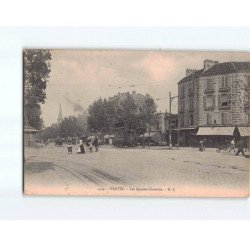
(244, 131)
(229, 131)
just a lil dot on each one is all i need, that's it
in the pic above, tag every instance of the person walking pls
(232, 145)
(82, 146)
(240, 146)
(96, 144)
(202, 145)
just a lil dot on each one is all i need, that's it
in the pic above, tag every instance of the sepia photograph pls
(136, 122)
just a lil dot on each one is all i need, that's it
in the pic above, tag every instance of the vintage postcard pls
(136, 123)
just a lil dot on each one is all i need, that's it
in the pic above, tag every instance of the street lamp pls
(171, 98)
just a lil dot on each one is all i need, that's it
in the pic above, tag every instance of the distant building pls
(60, 118)
(138, 98)
(163, 121)
(216, 95)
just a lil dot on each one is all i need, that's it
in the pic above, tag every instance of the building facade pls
(217, 95)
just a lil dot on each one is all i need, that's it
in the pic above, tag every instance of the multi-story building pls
(138, 98)
(217, 95)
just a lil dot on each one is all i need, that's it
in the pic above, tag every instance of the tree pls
(148, 115)
(97, 116)
(36, 75)
(70, 127)
(49, 132)
(104, 114)
(128, 112)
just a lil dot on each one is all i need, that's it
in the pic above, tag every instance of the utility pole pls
(171, 98)
(149, 130)
(170, 122)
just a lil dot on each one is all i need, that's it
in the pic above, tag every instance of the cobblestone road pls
(137, 171)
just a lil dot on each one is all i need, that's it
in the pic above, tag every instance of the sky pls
(79, 77)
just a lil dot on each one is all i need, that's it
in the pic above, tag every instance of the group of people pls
(232, 147)
(91, 142)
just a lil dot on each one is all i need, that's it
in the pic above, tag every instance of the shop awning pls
(244, 131)
(229, 131)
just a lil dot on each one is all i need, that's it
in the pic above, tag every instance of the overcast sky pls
(79, 77)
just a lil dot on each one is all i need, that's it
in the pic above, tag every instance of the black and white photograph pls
(113, 122)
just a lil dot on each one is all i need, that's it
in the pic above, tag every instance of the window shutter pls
(222, 82)
(213, 100)
(210, 119)
(226, 81)
(225, 118)
(204, 102)
(228, 100)
(207, 118)
(219, 100)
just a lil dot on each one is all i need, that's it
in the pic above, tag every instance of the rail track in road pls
(93, 176)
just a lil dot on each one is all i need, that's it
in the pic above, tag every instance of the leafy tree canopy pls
(36, 75)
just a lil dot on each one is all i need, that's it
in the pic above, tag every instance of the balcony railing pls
(210, 90)
(224, 89)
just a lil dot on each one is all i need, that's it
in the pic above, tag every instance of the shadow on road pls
(38, 167)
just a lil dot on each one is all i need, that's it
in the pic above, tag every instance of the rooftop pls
(218, 69)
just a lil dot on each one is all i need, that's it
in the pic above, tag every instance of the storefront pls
(215, 135)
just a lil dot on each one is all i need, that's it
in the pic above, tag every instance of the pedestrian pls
(232, 145)
(202, 145)
(69, 147)
(96, 144)
(82, 146)
(90, 141)
(240, 146)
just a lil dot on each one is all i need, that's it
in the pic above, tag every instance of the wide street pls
(136, 171)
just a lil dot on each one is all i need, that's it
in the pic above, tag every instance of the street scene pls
(136, 123)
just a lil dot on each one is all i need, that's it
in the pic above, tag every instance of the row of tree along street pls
(103, 115)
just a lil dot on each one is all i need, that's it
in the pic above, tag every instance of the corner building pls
(217, 95)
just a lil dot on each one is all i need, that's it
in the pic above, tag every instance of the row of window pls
(224, 83)
(190, 89)
(209, 100)
(210, 120)
(190, 104)
(190, 120)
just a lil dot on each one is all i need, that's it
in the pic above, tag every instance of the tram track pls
(83, 177)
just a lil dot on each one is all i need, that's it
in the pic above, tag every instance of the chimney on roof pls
(209, 63)
(190, 71)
